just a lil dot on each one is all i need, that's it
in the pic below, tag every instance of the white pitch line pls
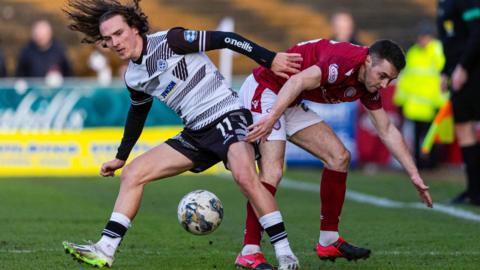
(378, 201)
(29, 250)
(162, 253)
(426, 253)
(384, 202)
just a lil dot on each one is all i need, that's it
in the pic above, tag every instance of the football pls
(200, 212)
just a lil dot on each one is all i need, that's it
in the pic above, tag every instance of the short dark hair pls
(87, 15)
(388, 50)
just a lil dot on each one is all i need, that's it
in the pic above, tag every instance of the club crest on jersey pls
(332, 73)
(190, 35)
(350, 92)
(162, 65)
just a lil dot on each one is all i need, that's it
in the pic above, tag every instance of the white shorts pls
(293, 119)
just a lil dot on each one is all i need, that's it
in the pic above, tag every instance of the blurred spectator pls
(343, 27)
(459, 30)
(99, 63)
(418, 89)
(43, 56)
(3, 68)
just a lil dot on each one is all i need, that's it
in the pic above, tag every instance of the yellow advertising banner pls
(74, 153)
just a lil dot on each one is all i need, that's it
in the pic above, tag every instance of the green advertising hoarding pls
(72, 129)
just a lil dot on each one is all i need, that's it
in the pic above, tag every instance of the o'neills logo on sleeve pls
(240, 44)
(332, 73)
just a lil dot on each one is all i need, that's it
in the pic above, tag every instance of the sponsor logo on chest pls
(332, 73)
(170, 87)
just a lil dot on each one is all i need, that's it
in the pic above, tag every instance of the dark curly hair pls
(87, 15)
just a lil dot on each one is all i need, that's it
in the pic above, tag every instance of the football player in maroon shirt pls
(332, 72)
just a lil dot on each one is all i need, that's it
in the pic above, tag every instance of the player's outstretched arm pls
(139, 108)
(183, 41)
(394, 141)
(308, 79)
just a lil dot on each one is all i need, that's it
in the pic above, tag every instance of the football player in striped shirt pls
(170, 66)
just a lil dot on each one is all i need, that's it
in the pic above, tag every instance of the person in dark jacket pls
(459, 30)
(43, 54)
(3, 65)
(3, 70)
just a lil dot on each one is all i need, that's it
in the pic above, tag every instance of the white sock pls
(250, 249)
(108, 244)
(282, 248)
(268, 221)
(121, 218)
(328, 237)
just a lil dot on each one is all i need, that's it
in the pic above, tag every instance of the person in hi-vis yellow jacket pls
(418, 89)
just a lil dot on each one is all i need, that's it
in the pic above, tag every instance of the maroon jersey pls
(339, 62)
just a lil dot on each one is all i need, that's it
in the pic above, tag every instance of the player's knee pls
(130, 176)
(344, 158)
(272, 177)
(340, 160)
(247, 181)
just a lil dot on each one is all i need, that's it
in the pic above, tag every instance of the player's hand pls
(109, 167)
(286, 63)
(422, 190)
(459, 77)
(261, 129)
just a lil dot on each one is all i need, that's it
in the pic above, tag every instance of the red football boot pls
(341, 249)
(253, 261)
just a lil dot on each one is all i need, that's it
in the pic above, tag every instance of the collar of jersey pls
(144, 50)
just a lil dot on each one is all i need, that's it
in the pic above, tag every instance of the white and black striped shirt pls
(189, 84)
(174, 69)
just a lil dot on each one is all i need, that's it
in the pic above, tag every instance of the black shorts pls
(466, 102)
(209, 145)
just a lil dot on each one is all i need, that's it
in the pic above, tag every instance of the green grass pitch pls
(37, 214)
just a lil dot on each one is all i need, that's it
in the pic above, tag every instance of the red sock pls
(253, 229)
(332, 195)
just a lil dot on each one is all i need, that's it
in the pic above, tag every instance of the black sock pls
(114, 230)
(276, 232)
(471, 158)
